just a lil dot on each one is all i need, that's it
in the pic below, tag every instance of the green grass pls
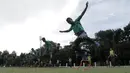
(64, 70)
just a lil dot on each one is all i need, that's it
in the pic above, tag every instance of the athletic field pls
(65, 70)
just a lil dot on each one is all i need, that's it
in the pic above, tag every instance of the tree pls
(118, 35)
(5, 55)
(1, 59)
(106, 38)
(127, 32)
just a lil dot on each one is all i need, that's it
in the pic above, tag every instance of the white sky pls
(21, 36)
(23, 21)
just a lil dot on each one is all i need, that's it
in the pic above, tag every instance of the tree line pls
(118, 39)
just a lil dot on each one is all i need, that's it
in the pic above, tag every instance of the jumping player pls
(48, 45)
(78, 30)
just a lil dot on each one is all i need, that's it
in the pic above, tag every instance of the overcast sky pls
(23, 21)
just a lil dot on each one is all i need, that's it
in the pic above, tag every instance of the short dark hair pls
(68, 19)
(58, 44)
(43, 38)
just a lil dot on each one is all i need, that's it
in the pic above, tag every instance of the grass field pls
(65, 70)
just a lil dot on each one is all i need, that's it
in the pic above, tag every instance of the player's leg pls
(81, 62)
(44, 51)
(84, 36)
(88, 62)
(76, 43)
(88, 39)
(78, 58)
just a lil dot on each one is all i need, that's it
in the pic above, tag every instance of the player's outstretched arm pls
(66, 30)
(79, 18)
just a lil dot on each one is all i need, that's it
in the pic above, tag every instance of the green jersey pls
(77, 27)
(48, 45)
